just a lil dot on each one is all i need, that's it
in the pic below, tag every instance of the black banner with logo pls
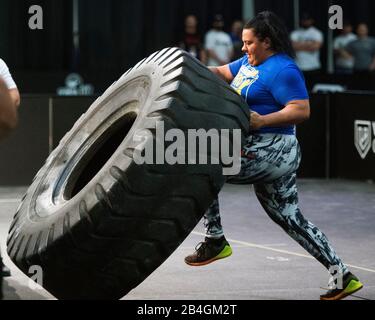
(352, 142)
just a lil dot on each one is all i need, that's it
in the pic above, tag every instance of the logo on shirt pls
(245, 78)
(363, 137)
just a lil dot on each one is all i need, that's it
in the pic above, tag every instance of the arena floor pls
(266, 264)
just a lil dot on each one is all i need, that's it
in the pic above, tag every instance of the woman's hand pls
(256, 121)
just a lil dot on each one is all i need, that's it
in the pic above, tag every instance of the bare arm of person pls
(8, 111)
(212, 54)
(294, 112)
(345, 54)
(372, 65)
(203, 56)
(223, 72)
(314, 45)
(307, 45)
(298, 45)
(15, 95)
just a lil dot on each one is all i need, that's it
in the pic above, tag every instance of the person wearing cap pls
(218, 44)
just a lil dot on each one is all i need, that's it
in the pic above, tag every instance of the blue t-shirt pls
(269, 87)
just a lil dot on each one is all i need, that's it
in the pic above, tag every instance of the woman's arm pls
(294, 112)
(223, 72)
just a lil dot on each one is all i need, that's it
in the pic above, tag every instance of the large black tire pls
(97, 223)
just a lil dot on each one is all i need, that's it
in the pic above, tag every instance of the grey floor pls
(266, 264)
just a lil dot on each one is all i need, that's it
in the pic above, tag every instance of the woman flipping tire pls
(96, 222)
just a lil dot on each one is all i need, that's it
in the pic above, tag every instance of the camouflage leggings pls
(269, 162)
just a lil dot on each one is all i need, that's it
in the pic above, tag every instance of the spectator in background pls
(8, 91)
(236, 36)
(218, 44)
(344, 61)
(307, 42)
(362, 50)
(191, 40)
(9, 102)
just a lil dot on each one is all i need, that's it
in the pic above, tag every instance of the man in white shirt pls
(9, 102)
(218, 44)
(344, 61)
(307, 42)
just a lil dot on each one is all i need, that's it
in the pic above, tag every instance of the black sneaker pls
(209, 251)
(351, 284)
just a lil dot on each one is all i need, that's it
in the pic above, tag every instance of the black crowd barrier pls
(337, 142)
(353, 136)
(339, 139)
(43, 121)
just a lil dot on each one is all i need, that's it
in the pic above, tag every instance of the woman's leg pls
(264, 157)
(215, 246)
(280, 200)
(212, 221)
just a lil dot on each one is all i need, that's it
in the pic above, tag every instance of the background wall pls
(115, 34)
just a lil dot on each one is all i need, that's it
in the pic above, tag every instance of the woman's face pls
(257, 51)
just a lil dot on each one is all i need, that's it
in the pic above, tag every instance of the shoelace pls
(200, 248)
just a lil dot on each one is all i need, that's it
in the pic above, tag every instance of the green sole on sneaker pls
(226, 252)
(351, 288)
